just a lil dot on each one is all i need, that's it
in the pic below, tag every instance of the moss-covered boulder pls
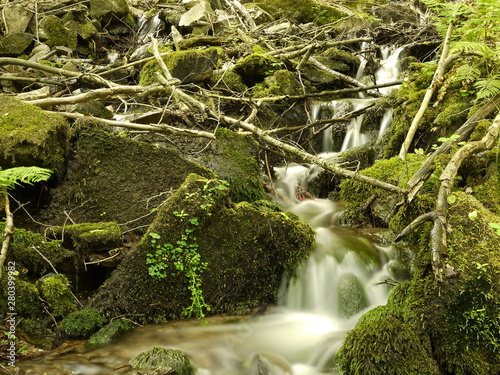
(108, 333)
(82, 324)
(242, 251)
(351, 296)
(29, 303)
(255, 67)
(450, 327)
(30, 136)
(234, 157)
(55, 290)
(113, 178)
(158, 358)
(15, 44)
(187, 66)
(55, 33)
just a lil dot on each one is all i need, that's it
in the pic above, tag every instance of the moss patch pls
(55, 291)
(30, 136)
(81, 324)
(161, 358)
(109, 333)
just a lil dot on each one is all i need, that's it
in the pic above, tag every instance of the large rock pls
(113, 178)
(15, 44)
(103, 9)
(30, 136)
(16, 18)
(246, 250)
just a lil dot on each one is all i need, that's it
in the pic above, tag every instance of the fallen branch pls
(159, 128)
(281, 52)
(425, 170)
(447, 178)
(436, 80)
(90, 95)
(7, 232)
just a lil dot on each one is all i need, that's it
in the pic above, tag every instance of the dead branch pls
(436, 81)
(410, 228)
(447, 178)
(7, 232)
(159, 128)
(283, 51)
(425, 170)
(90, 95)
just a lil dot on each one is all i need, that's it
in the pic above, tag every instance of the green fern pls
(11, 177)
(488, 87)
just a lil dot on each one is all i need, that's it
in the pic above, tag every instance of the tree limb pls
(436, 80)
(7, 232)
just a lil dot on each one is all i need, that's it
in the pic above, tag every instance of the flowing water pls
(341, 280)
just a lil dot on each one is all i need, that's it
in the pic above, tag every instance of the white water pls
(387, 72)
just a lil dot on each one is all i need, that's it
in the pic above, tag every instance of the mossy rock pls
(458, 318)
(55, 290)
(103, 10)
(187, 66)
(15, 44)
(82, 324)
(304, 11)
(109, 333)
(57, 34)
(246, 260)
(22, 251)
(282, 82)
(120, 178)
(29, 303)
(37, 332)
(233, 157)
(383, 342)
(351, 296)
(254, 68)
(90, 237)
(30, 136)
(161, 358)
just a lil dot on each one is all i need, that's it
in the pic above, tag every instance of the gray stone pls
(201, 12)
(16, 18)
(102, 9)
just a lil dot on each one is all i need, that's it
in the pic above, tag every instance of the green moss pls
(158, 358)
(81, 324)
(384, 342)
(255, 67)
(281, 82)
(31, 136)
(355, 194)
(55, 291)
(109, 333)
(58, 34)
(246, 260)
(351, 296)
(15, 44)
(29, 303)
(90, 237)
(303, 11)
(22, 251)
(187, 66)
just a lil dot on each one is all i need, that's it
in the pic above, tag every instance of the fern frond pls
(11, 177)
(467, 47)
(467, 72)
(488, 87)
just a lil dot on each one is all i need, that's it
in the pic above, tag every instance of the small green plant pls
(495, 226)
(184, 255)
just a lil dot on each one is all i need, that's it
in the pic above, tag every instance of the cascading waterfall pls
(387, 72)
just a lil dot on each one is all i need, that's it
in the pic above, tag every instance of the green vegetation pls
(184, 254)
(82, 324)
(56, 293)
(108, 333)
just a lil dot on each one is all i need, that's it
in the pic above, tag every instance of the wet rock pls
(270, 364)
(16, 18)
(351, 296)
(37, 332)
(161, 358)
(15, 44)
(109, 333)
(31, 136)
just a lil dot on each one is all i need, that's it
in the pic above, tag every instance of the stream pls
(341, 280)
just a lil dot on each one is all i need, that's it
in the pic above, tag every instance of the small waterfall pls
(354, 136)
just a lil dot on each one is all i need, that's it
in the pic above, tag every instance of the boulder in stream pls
(240, 251)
